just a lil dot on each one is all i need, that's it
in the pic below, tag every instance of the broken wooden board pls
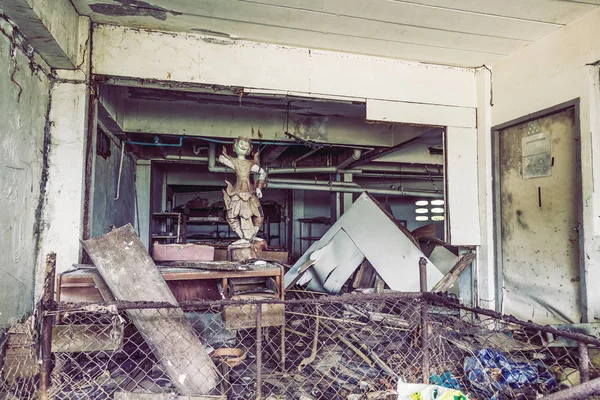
(131, 275)
(244, 316)
(391, 251)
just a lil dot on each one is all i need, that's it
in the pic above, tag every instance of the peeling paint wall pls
(24, 102)
(551, 71)
(107, 211)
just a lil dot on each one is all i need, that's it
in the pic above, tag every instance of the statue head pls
(242, 146)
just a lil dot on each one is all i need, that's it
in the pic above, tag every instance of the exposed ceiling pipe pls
(309, 170)
(387, 175)
(410, 168)
(354, 157)
(311, 182)
(346, 189)
(212, 160)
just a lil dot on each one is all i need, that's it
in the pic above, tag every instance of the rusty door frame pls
(497, 204)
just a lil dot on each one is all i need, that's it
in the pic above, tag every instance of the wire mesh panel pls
(308, 347)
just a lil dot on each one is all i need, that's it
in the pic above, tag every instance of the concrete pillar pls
(63, 210)
(142, 182)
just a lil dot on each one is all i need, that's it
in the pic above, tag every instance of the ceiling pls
(453, 32)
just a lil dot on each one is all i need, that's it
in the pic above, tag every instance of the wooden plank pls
(462, 197)
(131, 275)
(450, 278)
(425, 114)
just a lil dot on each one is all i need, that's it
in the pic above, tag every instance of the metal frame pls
(497, 204)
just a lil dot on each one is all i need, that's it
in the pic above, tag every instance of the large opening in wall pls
(159, 152)
(319, 156)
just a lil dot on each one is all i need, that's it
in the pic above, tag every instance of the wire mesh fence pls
(313, 347)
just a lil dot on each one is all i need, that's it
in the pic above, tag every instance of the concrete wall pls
(24, 102)
(549, 72)
(106, 210)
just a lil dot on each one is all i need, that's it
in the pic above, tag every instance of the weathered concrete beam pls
(190, 119)
(199, 60)
(50, 26)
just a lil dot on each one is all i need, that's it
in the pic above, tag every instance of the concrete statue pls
(242, 204)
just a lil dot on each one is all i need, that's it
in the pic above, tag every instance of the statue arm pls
(225, 159)
(262, 175)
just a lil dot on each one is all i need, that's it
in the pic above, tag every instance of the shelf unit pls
(168, 227)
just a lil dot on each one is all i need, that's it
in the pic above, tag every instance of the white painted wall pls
(194, 59)
(21, 162)
(551, 71)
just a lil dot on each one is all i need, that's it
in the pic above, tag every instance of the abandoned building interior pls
(299, 199)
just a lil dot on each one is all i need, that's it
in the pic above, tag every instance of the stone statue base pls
(242, 251)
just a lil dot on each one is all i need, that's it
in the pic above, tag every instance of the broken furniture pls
(131, 275)
(366, 230)
(85, 284)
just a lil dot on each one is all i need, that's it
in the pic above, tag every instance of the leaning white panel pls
(380, 240)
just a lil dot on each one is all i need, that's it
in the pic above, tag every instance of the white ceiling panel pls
(452, 32)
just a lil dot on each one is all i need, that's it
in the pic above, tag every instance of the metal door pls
(538, 195)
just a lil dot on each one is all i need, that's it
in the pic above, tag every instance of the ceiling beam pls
(50, 26)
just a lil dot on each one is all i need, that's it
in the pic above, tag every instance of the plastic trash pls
(418, 391)
(446, 380)
(492, 372)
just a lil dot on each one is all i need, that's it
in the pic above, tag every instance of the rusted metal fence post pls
(584, 362)
(47, 322)
(259, 351)
(424, 322)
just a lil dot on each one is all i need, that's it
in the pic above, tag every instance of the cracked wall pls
(24, 102)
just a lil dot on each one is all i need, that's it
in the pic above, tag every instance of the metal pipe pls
(47, 322)
(354, 157)
(309, 170)
(311, 182)
(346, 189)
(584, 362)
(395, 167)
(583, 391)
(212, 160)
(157, 143)
(120, 171)
(259, 352)
(387, 175)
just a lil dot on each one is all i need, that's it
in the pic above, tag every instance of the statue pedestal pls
(246, 251)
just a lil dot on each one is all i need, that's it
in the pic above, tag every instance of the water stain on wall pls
(128, 8)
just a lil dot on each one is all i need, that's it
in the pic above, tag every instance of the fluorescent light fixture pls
(421, 210)
(437, 210)
(422, 218)
(421, 203)
(438, 202)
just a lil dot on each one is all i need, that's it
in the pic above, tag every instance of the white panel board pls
(462, 189)
(423, 114)
(381, 241)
